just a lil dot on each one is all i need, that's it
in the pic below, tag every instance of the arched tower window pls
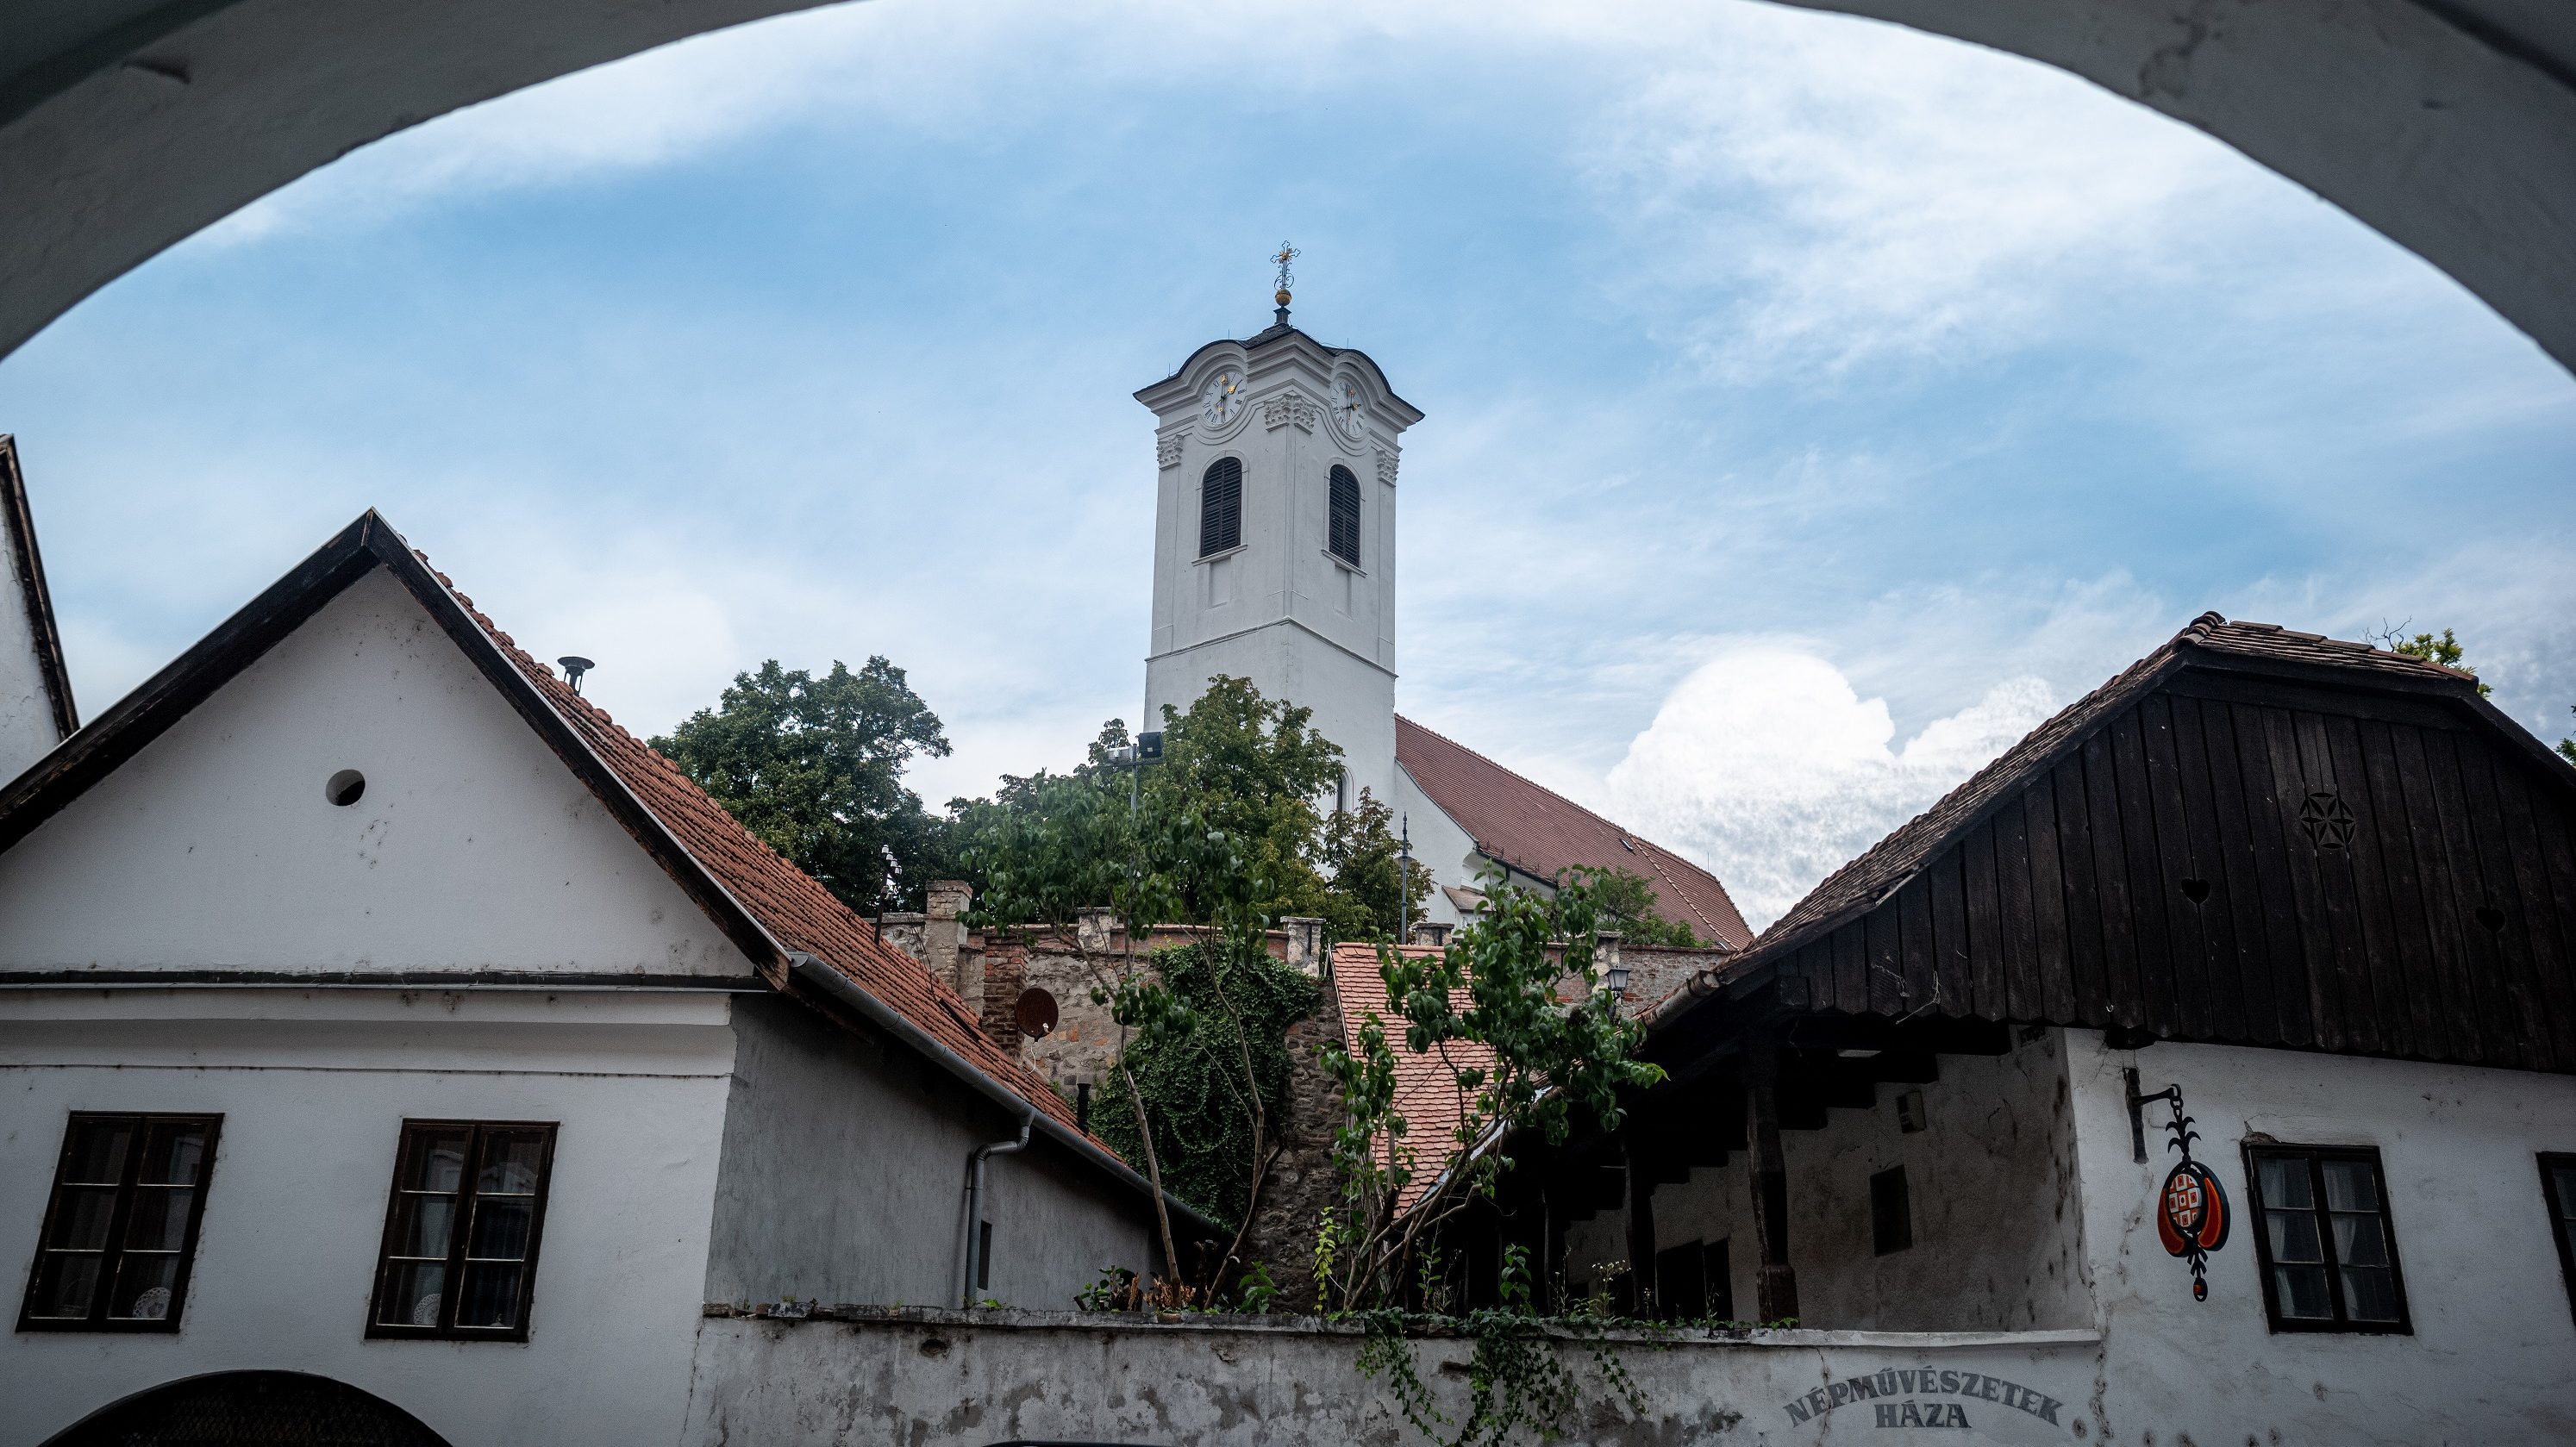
(1344, 534)
(1221, 506)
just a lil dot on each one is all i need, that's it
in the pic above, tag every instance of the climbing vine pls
(1218, 1000)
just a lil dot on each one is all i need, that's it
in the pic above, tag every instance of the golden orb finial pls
(1287, 254)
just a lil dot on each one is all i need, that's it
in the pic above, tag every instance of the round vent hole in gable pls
(345, 787)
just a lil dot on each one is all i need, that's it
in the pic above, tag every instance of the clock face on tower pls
(1221, 401)
(1349, 408)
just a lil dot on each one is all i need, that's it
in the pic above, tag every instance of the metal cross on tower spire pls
(1287, 254)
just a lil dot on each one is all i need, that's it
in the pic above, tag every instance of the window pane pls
(97, 1153)
(2302, 1290)
(491, 1297)
(143, 1287)
(2349, 1186)
(500, 1229)
(81, 1216)
(173, 1153)
(2360, 1240)
(510, 1163)
(2565, 1178)
(65, 1286)
(2285, 1182)
(438, 1161)
(424, 1225)
(411, 1293)
(160, 1219)
(2294, 1237)
(2370, 1293)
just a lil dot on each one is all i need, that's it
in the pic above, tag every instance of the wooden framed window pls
(120, 1229)
(461, 1230)
(1221, 506)
(1891, 1212)
(2558, 1188)
(1343, 515)
(2328, 1244)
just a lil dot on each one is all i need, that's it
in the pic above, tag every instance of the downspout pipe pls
(975, 1201)
(847, 992)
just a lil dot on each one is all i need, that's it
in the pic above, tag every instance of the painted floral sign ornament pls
(2191, 1209)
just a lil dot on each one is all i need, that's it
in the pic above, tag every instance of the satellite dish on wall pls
(1035, 1014)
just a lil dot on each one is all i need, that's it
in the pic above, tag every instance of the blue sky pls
(1812, 405)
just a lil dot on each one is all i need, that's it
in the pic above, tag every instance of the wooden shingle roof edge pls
(620, 772)
(2209, 642)
(28, 563)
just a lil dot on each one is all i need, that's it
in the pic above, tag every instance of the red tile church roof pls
(1542, 833)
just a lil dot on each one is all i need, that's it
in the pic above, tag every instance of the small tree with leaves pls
(1627, 902)
(1511, 1059)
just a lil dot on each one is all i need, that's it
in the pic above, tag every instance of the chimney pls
(1305, 944)
(1091, 929)
(940, 932)
(1427, 933)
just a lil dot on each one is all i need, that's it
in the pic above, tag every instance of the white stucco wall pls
(26, 713)
(1439, 845)
(844, 1172)
(313, 1087)
(473, 846)
(2494, 1343)
(1992, 1183)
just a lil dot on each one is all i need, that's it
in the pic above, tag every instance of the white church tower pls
(1274, 535)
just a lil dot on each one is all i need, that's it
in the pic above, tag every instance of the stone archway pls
(251, 1409)
(127, 125)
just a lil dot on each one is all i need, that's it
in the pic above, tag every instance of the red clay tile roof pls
(1542, 833)
(1885, 866)
(1426, 1086)
(787, 902)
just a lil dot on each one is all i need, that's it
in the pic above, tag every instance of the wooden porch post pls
(1641, 1235)
(1775, 1283)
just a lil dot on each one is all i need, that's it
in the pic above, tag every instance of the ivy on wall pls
(1189, 1068)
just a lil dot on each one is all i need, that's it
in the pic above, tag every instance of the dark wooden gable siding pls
(2158, 876)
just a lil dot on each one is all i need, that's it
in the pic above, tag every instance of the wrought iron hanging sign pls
(2192, 1217)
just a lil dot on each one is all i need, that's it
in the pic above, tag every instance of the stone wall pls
(1301, 1184)
(964, 1379)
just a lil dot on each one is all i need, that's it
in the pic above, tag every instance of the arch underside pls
(275, 1409)
(127, 125)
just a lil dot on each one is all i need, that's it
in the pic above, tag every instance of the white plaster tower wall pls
(1280, 607)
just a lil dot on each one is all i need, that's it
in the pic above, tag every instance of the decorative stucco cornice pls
(1167, 449)
(1386, 465)
(1289, 407)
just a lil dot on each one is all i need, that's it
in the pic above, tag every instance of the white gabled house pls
(390, 1037)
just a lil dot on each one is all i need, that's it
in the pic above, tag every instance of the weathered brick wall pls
(1006, 973)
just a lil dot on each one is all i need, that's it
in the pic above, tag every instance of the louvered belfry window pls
(1344, 538)
(1221, 506)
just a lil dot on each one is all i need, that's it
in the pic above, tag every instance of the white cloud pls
(1771, 769)
(1859, 191)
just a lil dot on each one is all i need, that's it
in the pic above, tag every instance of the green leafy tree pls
(1483, 1016)
(815, 768)
(1626, 900)
(1236, 763)
(2445, 650)
(1483, 1013)
(1371, 892)
(2567, 747)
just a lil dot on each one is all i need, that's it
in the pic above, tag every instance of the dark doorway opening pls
(251, 1409)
